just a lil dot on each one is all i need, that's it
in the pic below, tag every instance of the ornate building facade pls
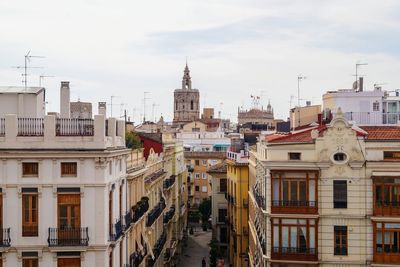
(186, 101)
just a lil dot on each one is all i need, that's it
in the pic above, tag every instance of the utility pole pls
(299, 78)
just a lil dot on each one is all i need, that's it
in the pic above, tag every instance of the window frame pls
(30, 228)
(292, 154)
(337, 203)
(63, 167)
(340, 249)
(31, 174)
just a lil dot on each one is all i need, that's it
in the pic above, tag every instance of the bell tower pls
(186, 101)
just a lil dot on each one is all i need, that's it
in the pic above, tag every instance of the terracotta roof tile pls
(299, 137)
(382, 132)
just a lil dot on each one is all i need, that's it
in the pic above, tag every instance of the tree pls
(205, 209)
(213, 252)
(132, 140)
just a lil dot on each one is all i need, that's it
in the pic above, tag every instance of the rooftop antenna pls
(41, 77)
(255, 100)
(28, 57)
(152, 111)
(299, 79)
(144, 104)
(111, 104)
(358, 65)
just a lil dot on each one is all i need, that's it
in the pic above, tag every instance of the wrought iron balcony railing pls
(61, 237)
(155, 213)
(295, 250)
(167, 184)
(294, 203)
(116, 230)
(157, 249)
(169, 215)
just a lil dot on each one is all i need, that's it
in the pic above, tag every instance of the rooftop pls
(218, 168)
(20, 90)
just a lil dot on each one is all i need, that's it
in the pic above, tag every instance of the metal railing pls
(167, 184)
(169, 215)
(30, 126)
(61, 237)
(140, 209)
(116, 231)
(157, 249)
(74, 127)
(155, 213)
(295, 250)
(294, 203)
(2, 126)
(5, 240)
(374, 117)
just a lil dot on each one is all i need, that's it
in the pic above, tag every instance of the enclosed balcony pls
(5, 240)
(66, 237)
(116, 230)
(135, 259)
(386, 196)
(155, 213)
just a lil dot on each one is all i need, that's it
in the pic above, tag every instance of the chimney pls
(103, 108)
(308, 103)
(361, 84)
(65, 100)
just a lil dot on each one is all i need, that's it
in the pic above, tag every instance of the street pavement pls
(197, 248)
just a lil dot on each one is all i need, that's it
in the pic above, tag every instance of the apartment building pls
(237, 197)
(219, 209)
(62, 187)
(326, 196)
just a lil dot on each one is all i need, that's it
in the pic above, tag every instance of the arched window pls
(191, 104)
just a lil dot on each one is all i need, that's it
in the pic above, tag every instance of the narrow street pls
(197, 248)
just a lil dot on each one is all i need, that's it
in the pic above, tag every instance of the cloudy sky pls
(235, 48)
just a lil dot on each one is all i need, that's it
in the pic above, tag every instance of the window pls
(204, 162)
(340, 194)
(197, 162)
(69, 212)
(30, 259)
(294, 236)
(339, 157)
(294, 189)
(197, 175)
(69, 169)
(340, 240)
(204, 189)
(294, 156)
(375, 106)
(204, 175)
(29, 212)
(222, 185)
(120, 165)
(222, 214)
(30, 169)
(386, 196)
(197, 188)
(191, 104)
(387, 239)
(110, 167)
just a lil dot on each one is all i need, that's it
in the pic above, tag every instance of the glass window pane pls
(293, 237)
(275, 189)
(285, 236)
(312, 237)
(285, 190)
(276, 236)
(303, 191)
(311, 192)
(293, 191)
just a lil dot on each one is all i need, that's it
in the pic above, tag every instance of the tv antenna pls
(299, 79)
(144, 104)
(152, 112)
(357, 66)
(41, 77)
(28, 57)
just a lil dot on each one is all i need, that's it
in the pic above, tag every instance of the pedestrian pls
(203, 262)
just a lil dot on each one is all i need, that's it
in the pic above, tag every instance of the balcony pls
(157, 249)
(298, 253)
(66, 237)
(135, 259)
(169, 215)
(74, 127)
(116, 231)
(155, 176)
(168, 183)
(5, 240)
(294, 207)
(259, 199)
(386, 208)
(139, 209)
(155, 213)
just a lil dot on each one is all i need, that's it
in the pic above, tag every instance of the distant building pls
(186, 101)
(256, 115)
(81, 110)
(301, 116)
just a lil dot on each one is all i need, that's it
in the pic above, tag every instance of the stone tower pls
(186, 101)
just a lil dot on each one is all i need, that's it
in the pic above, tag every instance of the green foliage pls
(194, 216)
(205, 209)
(132, 140)
(213, 252)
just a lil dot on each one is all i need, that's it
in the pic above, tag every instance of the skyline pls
(234, 48)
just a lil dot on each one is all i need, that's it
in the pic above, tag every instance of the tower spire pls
(186, 81)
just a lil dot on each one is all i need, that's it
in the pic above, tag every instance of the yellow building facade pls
(237, 196)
